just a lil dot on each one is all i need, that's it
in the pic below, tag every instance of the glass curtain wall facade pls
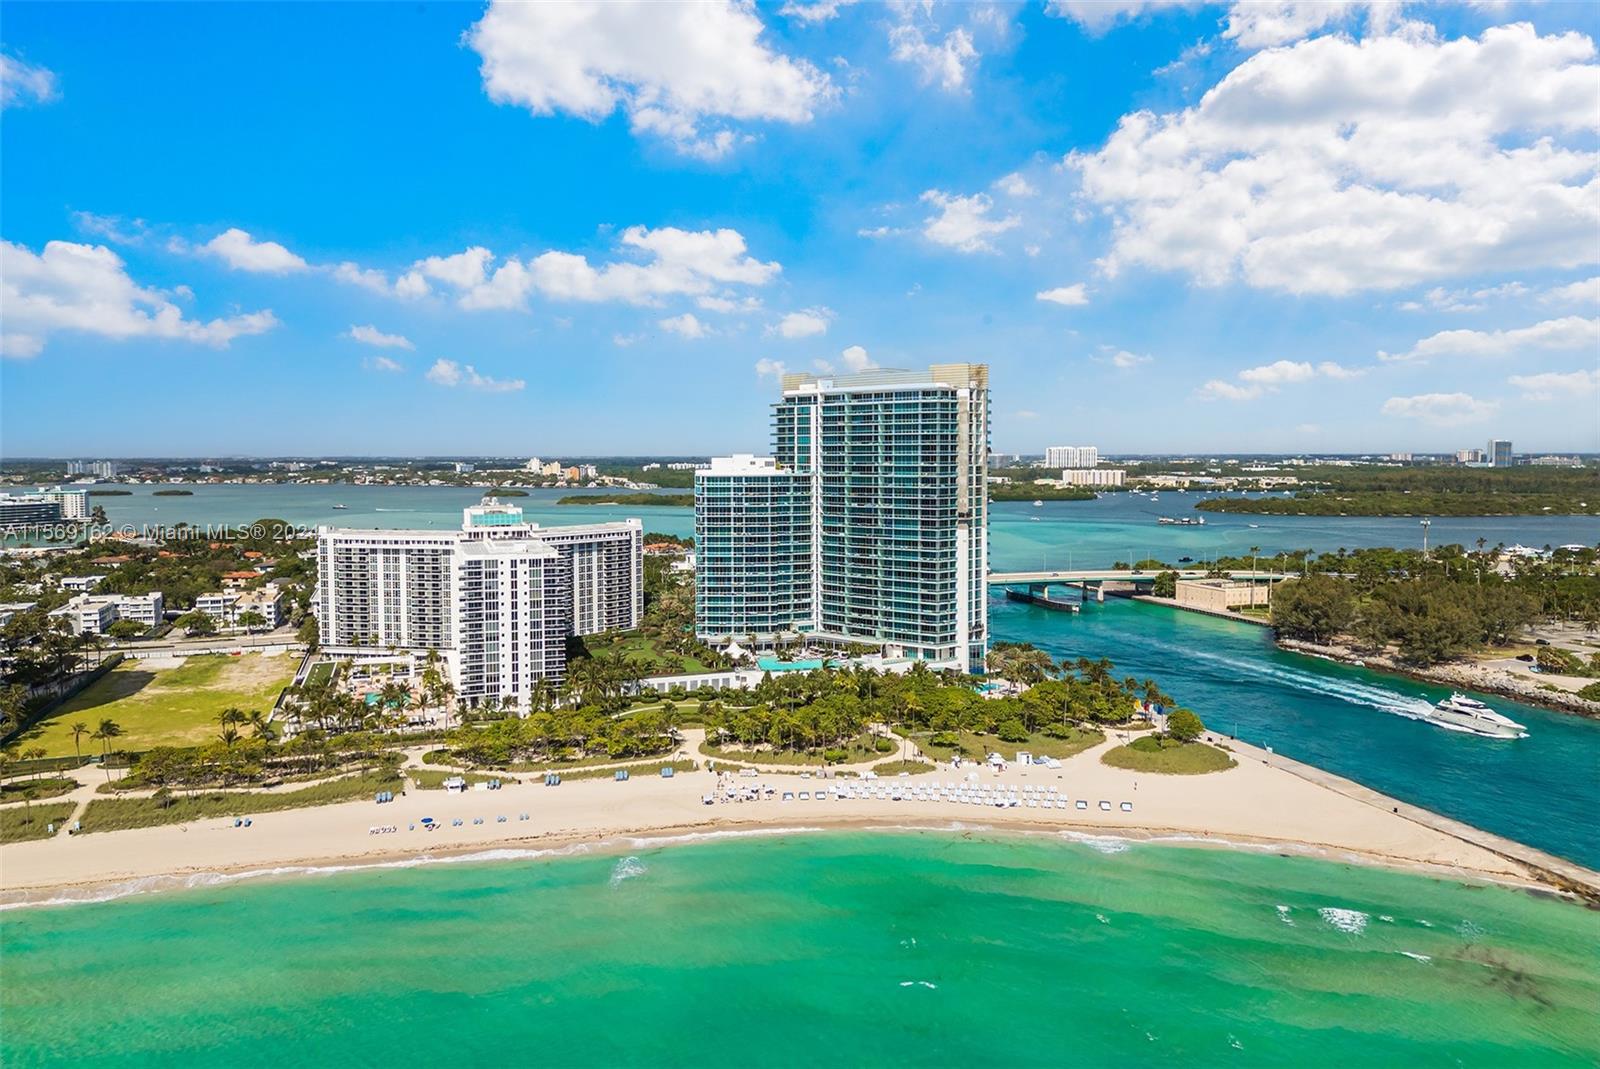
(893, 466)
(752, 537)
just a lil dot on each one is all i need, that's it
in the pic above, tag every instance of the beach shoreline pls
(1256, 805)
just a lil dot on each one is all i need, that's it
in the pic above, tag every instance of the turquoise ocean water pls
(827, 949)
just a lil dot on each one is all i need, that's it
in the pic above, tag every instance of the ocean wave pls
(1283, 915)
(1424, 958)
(199, 880)
(1349, 921)
(626, 869)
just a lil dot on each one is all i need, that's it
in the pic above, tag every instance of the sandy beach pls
(1256, 803)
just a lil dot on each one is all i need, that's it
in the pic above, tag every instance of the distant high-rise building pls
(1469, 456)
(868, 525)
(100, 469)
(1499, 453)
(1071, 456)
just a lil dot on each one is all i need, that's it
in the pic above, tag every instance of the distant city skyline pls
(500, 230)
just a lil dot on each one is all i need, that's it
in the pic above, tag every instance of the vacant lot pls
(165, 706)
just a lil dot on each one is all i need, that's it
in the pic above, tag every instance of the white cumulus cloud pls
(1557, 385)
(775, 368)
(382, 363)
(240, 251)
(371, 335)
(946, 60)
(1223, 390)
(1440, 409)
(86, 289)
(688, 73)
(805, 323)
(1569, 332)
(685, 326)
(964, 223)
(1586, 292)
(1338, 165)
(1072, 296)
(450, 373)
(855, 358)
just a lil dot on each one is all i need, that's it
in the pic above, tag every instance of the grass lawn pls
(859, 749)
(894, 768)
(1168, 756)
(165, 707)
(114, 814)
(634, 646)
(321, 673)
(979, 746)
(18, 823)
(41, 788)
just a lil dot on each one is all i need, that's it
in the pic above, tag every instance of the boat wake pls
(1353, 691)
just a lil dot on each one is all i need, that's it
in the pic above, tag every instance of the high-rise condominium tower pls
(868, 524)
(498, 598)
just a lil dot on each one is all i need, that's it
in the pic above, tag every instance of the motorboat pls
(1038, 504)
(1182, 521)
(341, 506)
(1461, 713)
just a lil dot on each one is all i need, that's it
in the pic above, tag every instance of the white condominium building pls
(74, 503)
(93, 614)
(147, 609)
(1071, 456)
(1093, 476)
(88, 614)
(499, 597)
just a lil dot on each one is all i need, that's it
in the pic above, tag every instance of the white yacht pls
(1038, 504)
(1461, 713)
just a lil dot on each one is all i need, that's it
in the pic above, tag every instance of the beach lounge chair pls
(1127, 807)
(1105, 805)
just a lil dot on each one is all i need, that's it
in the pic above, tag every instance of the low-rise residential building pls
(147, 609)
(227, 607)
(88, 614)
(81, 584)
(1093, 476)
(11, 608)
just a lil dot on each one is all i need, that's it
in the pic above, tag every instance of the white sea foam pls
(919, 983)
(1100, 844)
(1283, 915)
(1349, 921)
(626, 869)
(1424, 958)
(197, 880)
(1101, 917)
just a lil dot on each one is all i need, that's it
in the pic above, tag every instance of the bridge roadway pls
(1114, 575)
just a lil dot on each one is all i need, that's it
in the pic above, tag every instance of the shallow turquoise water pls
(852, 949)
(1543, 790)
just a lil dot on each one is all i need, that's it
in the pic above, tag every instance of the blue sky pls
(547, 229)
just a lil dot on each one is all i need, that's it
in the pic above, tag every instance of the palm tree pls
(108, 730)
(228, 735)
(79, 730)
(260, 724)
